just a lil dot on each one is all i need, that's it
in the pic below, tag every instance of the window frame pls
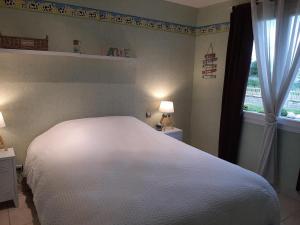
(284, 123)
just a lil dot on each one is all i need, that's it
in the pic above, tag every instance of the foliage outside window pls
(253, 99)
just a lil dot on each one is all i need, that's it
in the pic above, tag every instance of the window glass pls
(291, 108)
(253, 99)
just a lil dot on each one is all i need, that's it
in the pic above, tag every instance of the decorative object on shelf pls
(2, 125)
(23, 43)
(56, 8)
(76, 46)
(167, 108)
(209, 66)
(119, 52)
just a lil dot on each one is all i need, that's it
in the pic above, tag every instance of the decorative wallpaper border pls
(62, 9)
(213, 28)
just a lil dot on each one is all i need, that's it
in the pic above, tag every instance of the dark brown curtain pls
(238, 61)
(298, 182)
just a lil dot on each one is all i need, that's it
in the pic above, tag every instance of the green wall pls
(289, 154)
(207, 93)
(40, 91)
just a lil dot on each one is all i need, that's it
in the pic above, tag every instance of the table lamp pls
(167, 108)
(2, 124)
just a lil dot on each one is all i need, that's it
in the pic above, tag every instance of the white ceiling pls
(197, 3)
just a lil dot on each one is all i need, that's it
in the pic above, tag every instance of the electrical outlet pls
(148, 114)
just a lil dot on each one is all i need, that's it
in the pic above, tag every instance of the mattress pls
(120, 171)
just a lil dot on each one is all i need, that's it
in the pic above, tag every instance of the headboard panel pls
(38, 92)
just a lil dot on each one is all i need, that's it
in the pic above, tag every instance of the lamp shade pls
(2, 123)
(166, 107)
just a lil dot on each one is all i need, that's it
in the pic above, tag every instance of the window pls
(253, 99)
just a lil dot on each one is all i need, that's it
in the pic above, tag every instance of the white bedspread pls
(120, 171)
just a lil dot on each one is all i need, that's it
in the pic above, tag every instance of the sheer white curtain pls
(276, 34)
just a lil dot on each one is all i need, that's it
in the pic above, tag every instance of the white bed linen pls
(120, 171)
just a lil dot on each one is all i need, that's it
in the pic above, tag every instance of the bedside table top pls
(10, 153)
(171, 130)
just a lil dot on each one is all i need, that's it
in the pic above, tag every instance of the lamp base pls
(166, 121)
(2, 144)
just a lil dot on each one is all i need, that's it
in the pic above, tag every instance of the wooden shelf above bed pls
(66, 54)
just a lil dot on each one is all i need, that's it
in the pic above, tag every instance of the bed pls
(120, 171)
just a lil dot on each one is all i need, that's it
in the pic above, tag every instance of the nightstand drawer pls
(6, 183)
(5, 165)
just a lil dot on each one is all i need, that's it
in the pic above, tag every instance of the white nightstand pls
(8, 176)
(174, 133)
